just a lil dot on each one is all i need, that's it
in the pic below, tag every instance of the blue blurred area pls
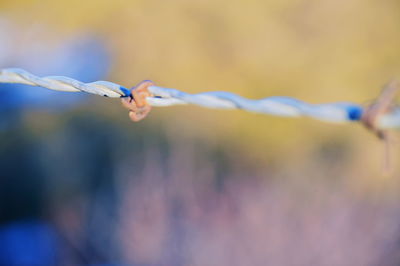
(29, 242)
(83, 58)
(26, 237)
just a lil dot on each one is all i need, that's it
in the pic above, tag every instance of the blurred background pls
(80, 184)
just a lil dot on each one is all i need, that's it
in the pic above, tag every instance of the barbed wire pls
(339, 112)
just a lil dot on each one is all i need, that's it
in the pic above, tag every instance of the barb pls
(372, 117)
(149, 94)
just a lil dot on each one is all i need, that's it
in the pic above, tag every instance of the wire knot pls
(137, 104)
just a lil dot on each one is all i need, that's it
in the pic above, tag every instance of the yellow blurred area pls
(317, 51)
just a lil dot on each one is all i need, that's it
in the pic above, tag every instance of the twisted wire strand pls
(280, 106)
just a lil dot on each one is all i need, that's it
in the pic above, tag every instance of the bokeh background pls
(82, 185)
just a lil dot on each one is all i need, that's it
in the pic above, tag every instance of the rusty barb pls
(381, 106)
(137, 104)
(374, 112)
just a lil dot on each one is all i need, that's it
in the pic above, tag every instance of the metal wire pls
(280, 106)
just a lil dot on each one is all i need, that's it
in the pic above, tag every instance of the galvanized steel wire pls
(280, 106)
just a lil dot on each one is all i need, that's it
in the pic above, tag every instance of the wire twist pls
(146, 94)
